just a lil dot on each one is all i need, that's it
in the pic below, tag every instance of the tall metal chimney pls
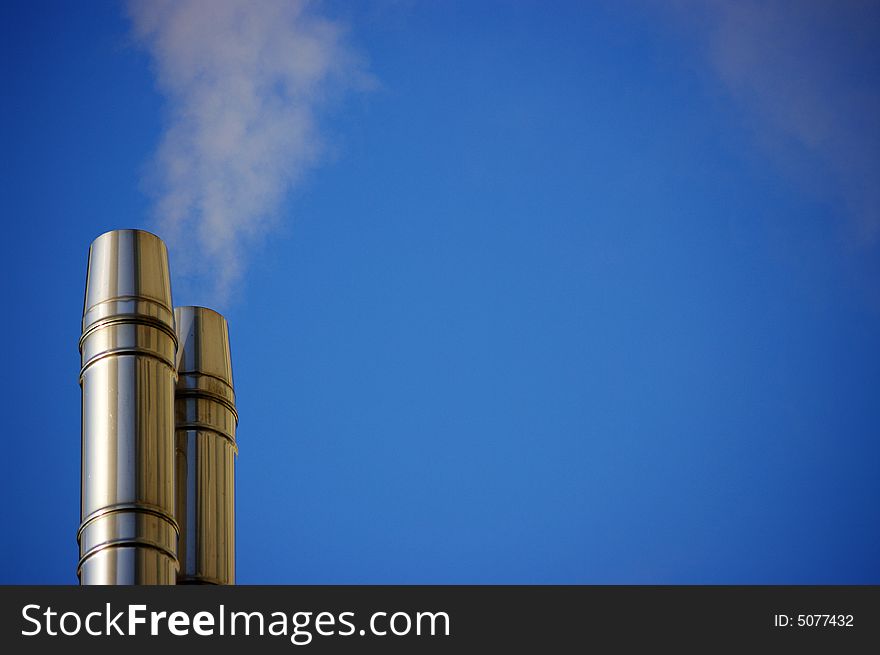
(206, 419)
(128, 534)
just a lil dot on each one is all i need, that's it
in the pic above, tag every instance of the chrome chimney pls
(128, 534)
(205, 422)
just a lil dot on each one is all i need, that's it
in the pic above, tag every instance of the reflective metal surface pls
(128, 534)
(205, 419)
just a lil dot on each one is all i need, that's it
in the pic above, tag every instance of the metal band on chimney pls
(205, 419)
(128, 534)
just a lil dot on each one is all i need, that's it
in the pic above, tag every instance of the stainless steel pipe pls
(128, 534)
(205, 420)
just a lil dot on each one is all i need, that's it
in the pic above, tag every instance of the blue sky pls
(581, 294)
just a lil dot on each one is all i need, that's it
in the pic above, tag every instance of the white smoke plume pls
(244, 82)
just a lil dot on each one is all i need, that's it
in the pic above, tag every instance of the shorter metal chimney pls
(205, 422)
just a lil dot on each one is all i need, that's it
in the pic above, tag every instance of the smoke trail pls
(244, 82)
(807, 70)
